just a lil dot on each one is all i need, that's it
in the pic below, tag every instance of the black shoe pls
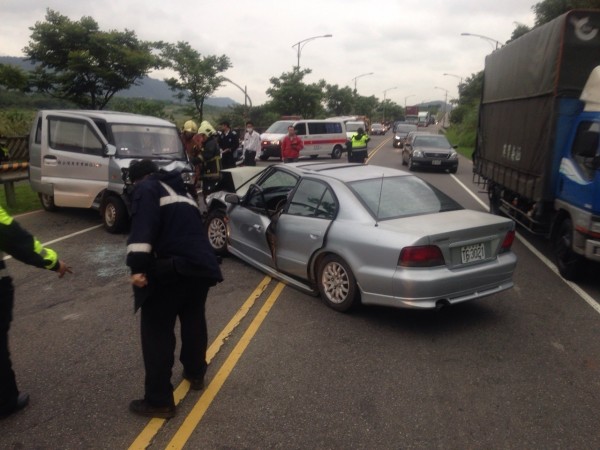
(196, 384)
(143, 408)
(22, 402)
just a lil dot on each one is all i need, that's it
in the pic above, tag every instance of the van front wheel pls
(114, 214)
(47, 202)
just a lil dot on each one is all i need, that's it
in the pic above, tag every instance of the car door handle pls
(50, 160)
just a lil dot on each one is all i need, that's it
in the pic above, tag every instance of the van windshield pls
(145, 141)
(280, 127)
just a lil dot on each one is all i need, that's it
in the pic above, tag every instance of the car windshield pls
(396, 197)
(431, 141)
(144, 141)
(279, 127)
(377, 125)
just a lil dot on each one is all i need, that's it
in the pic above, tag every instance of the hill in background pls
(149, 88)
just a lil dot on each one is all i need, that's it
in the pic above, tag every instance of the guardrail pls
(14, 166)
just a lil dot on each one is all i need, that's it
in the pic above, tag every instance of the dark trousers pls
(186, 299)
(249, 158)
(8, 384)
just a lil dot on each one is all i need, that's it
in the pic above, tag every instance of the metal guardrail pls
(14, 166)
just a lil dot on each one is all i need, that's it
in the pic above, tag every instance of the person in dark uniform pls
(172, 267)
(17, 242)
(210, 155)
(229, 141)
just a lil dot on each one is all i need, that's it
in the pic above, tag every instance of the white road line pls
(68, 236)
(583, 294)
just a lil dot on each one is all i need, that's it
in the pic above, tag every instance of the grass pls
(26, 199)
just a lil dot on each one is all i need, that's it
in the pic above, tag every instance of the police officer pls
(229, 142)
(172, 268)
(22, 246)
(358, 151)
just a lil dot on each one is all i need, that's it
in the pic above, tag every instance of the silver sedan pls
(355, 233)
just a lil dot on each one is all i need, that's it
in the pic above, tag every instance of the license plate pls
(436, 162)
(470, 253)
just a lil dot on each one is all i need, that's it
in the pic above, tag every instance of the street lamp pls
(385, 92)
(459, 83)
(303, 42)
(444, 122)
(489, 39)
(359, 76)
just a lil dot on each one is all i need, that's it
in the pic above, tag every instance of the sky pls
(406, 47)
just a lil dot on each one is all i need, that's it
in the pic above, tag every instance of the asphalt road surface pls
(518, 370)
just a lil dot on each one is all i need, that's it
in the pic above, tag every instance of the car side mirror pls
(109, 150)
(232, 198)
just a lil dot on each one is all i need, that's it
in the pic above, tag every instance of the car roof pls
(344, 172)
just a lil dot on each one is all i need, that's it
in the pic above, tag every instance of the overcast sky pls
(407, 45)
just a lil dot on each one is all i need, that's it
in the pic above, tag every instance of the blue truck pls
(537, 149)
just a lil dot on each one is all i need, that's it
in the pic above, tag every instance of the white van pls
(320, 137)
(80, 158)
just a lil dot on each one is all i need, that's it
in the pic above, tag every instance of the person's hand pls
(139, 280)
(63, 269)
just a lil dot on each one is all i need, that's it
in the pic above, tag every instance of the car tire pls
(216, 229)
(569, 263)
(337, 152)
(453, 170)
(47, 202)
(263, 157)
(337, 284)
(115, 217)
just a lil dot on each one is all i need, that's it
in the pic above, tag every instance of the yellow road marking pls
(144, 439)
(376, 149)
(193, 419)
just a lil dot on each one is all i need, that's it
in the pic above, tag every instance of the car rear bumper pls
(435, 163)
(429, 288)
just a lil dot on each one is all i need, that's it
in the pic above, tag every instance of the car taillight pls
(508, 241)
(421, 256)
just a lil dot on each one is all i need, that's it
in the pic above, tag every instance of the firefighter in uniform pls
(17, 242)
(172, 268)
(210, 155)
(192, 146)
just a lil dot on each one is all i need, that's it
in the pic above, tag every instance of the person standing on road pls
(20, 244)
(291, 146)
(210, 156)
(358, 151)
(251, 145)
(192, 146)
(172, 267)
(229, 141)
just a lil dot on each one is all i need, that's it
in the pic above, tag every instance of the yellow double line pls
(192, 420)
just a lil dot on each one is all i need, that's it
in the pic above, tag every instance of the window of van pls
(73, 136)
(300, 129)
(324, 127)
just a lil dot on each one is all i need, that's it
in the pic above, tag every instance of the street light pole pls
(489, 39)
(385, 92)
(408, 96)
(359, 76)
(303, 42)
(459, 83)
(445, 121)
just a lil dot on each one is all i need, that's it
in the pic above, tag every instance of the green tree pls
(547, 10)
(13, 78)
(365, 106)
(338, 101)
(143, 106)
(290, 96)
(80, 63)
(198, 75)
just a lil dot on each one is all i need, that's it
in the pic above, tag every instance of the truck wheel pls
(263, 157)
(568, 262)
(337, 152)
(47, 202)
(114, 214)
(216, 229)
(337, 284)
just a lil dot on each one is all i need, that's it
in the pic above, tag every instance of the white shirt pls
(252, 141)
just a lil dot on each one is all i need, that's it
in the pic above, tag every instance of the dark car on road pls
(377, 128)
(400, 133)
(429, 150)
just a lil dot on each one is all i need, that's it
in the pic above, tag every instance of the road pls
(520, 369)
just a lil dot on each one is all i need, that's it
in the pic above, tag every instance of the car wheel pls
(411, 165)
(263, 157)
(114, 214)
(47, 202)
(337, 152)
(337, 284)
(568, 262)
(216, 229)
(453, 170)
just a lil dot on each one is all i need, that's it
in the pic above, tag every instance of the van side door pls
(72, 160)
